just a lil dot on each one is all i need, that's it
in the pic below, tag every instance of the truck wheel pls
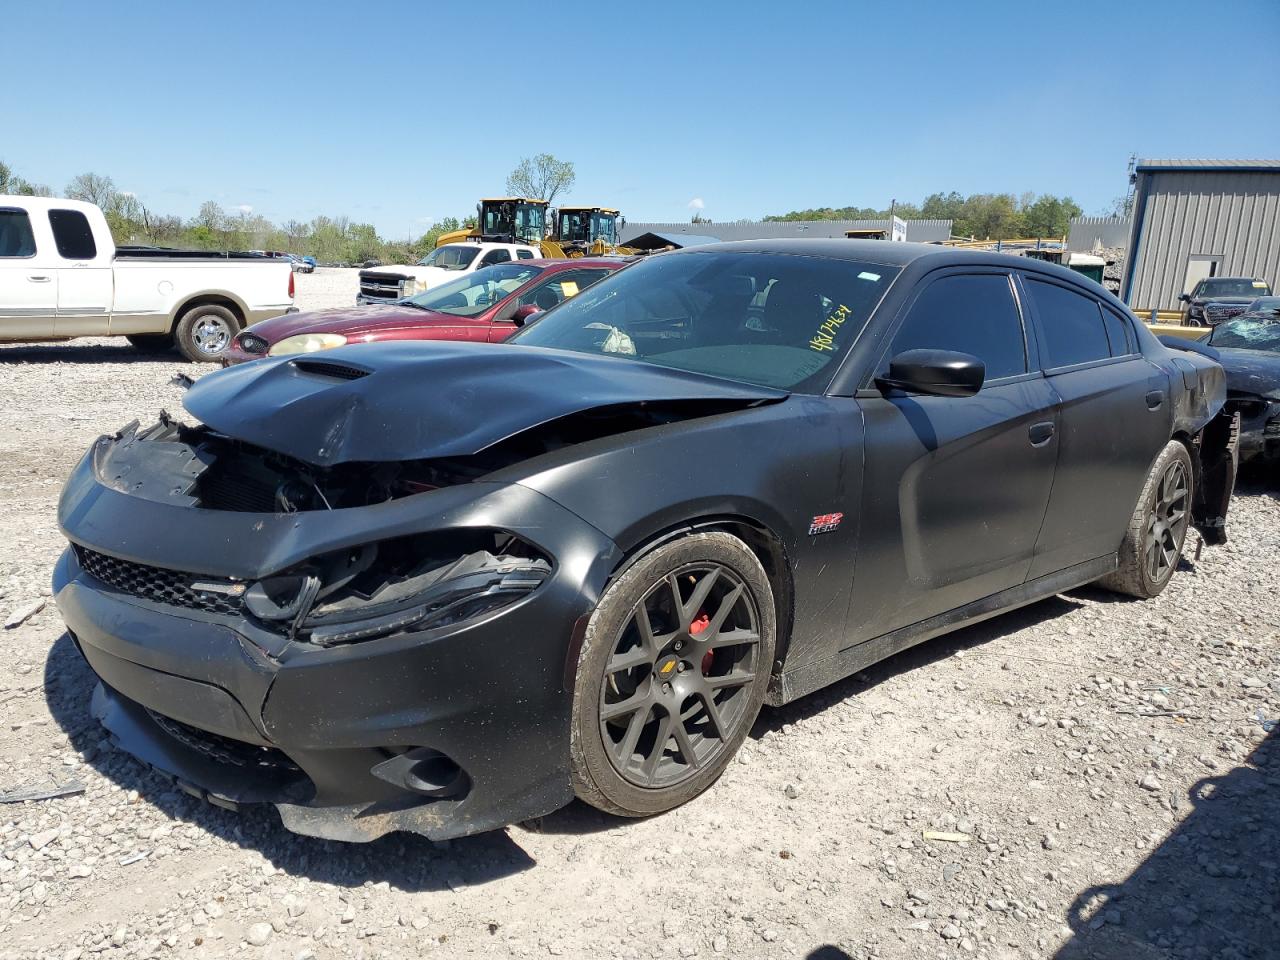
(672, 673)
(205, 331)
(1153, 542)
(151, 342)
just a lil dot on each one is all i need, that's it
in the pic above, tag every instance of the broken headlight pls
(395, 585)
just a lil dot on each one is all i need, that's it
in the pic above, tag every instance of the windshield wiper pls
(409, 303)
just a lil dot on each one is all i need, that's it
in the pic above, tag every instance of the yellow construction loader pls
(582, 231)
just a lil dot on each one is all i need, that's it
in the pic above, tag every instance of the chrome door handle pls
(38, 278)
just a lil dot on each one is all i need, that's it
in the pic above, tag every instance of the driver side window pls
(966, 313)
(560, 288)
(495, 256)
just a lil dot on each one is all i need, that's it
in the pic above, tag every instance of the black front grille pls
(159, 585)
(1215, 313)
(222, 749)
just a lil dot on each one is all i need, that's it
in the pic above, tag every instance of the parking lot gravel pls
(1086, 777)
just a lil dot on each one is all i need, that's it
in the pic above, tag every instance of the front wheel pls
(205, 332)
(1153, 540)
(672, 673)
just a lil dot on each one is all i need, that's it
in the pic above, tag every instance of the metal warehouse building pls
(1200, 218)
(922, 231)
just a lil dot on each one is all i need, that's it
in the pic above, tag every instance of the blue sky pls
(398, 113)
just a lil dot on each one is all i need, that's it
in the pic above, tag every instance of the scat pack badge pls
(824, 523)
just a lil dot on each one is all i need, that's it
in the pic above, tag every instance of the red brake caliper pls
(700, 623)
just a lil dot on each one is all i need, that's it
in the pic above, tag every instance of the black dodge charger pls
(445, 587)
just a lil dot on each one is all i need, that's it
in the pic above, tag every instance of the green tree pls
(11, 183)
(541, 178)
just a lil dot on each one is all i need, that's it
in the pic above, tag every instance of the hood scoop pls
(396, 401)
(327, 368)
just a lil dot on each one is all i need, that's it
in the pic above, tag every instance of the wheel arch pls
(211, 298)
(760, 538)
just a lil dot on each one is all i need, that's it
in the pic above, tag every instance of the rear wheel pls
(1153, 541)
(151, 342)
(205, 331)
(672, 673)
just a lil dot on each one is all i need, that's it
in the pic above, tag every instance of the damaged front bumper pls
(439, 728)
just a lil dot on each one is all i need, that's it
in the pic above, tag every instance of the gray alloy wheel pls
(204, 332)
(672, 674)
(1152, 544)
(1167, 522)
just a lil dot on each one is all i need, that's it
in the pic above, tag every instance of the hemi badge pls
(824, 523)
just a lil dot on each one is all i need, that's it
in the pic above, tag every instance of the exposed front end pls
(371, 648)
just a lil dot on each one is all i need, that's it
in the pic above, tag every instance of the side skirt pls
(790, 685)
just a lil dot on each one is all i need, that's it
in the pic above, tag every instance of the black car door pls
(955, 488)
(1115, 416)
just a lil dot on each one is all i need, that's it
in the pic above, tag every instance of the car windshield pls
(452, 256)
(769, 319)
(1247, 333)
(1233, 287)
(475, 293)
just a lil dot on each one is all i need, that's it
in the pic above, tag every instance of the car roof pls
(578, 262)
(887, 252)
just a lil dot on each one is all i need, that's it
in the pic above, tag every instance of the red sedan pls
(488, 304)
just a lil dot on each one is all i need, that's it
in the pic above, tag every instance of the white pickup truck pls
(392, 283)
(62, 276)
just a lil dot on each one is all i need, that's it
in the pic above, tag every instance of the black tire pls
(716, 651)
(204, 332)
(1153, 541)
(151, 342)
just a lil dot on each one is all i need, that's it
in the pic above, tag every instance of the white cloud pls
(245, 208)
(696, 204)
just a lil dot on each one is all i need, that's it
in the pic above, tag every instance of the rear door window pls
(967, 313)
(16, 238)
(1071, 326)
(1120, 334)
(72, 235)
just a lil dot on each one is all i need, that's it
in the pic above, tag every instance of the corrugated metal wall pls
(1180, 214)
(1087, 232)
(918, 231)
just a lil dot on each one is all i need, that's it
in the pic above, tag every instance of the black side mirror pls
(523, 313)
(937, 373)
(1184, 297)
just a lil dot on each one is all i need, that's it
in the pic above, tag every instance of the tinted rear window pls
(72, 235)
(1071, 324)
(16, 238)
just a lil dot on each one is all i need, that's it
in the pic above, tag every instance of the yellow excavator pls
(581, 231)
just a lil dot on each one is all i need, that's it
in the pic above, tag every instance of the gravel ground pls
(1099, 769)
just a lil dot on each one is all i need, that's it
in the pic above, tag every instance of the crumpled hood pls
(419, 400)
(1252, 371)
(337, 320)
